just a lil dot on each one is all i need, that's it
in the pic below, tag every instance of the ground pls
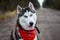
(48, 23)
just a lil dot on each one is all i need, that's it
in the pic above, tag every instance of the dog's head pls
(27, 17)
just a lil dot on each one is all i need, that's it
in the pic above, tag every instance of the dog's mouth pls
(30, 26)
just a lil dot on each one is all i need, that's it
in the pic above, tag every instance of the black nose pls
(31, 23)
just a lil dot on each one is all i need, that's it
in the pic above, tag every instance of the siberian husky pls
(26, 24)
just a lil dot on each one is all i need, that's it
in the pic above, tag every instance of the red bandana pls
(27, 35)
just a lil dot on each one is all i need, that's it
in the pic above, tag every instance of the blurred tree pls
(52, 4)
(11, 4)
(36, 3)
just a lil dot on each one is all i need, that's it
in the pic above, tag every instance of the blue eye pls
(31, 15)
(26, 16)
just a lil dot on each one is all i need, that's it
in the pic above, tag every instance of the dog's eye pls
(26, 16)
(31, 14)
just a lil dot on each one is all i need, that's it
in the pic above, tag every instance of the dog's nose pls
(31, 23)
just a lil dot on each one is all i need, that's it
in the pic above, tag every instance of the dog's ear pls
(19, 9)
(31, 6)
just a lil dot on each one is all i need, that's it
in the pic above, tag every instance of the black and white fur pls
(27, 19)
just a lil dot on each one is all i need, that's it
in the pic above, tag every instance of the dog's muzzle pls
(31, 24)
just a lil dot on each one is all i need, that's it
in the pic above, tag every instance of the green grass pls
(7, 15)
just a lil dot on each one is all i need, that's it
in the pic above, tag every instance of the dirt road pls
(48, 23)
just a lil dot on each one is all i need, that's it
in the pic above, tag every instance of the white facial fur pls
(24, 22)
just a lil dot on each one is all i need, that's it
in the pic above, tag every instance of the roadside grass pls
(7, 15)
